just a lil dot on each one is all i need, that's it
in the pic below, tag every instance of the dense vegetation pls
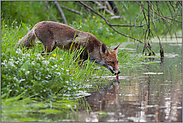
(56, 81)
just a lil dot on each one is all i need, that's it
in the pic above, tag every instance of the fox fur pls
(54, 34)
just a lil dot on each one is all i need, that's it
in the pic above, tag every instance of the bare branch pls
(108, 22)
(151, 14)
(126, 25)
(159, 19)
(156, 12)
(180, 3)
(143, 11)
(147, 22)
(101, 6)
(61, 12)
(161, 47)
(137, 17)
(148, 25)
(72, 10)
(172, 5)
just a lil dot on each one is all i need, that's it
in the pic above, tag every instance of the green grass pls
(27, 78)
(34, 87)
(37, 78)
(44, 86)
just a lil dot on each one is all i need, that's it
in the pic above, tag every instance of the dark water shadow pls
(99, 101)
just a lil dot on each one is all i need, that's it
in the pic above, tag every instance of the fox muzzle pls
(117, 72)
(113, 71)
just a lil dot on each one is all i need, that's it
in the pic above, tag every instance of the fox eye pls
(112, 63)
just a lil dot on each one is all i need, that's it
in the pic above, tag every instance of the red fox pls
(54, 34)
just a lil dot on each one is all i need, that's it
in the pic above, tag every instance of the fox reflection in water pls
(100, 101)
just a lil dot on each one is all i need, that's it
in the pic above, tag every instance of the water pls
(147, 93)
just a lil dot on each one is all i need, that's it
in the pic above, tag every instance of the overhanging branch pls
(110, 25)
(150, 15)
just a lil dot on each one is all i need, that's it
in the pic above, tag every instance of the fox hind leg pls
(47, 39)
(48, 47)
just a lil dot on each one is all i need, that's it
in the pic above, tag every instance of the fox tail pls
(28, 40)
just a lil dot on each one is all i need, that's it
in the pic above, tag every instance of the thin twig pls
(72, 10)
(161, 47)
(172, 5)
(145, 19)
(156, 12)
(121, 25)
(135, 28)
(162, 17)
(108, 22)
(100, 5)
(137, 17)
(61, 12)
(148, 25)
(180, 3)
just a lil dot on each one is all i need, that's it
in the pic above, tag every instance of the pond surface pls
(147, 92)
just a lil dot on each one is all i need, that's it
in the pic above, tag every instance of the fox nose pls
(118, 72)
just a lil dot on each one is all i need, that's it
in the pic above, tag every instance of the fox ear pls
(116, 48)
(104, 49)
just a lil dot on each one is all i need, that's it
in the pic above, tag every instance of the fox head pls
(109, 58)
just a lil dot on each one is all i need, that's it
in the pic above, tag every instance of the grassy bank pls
(33, 87)
(30, 78)
(32, 81)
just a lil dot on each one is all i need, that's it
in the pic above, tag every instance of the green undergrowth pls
(38, 79)
(35, 88)
(42, 86)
